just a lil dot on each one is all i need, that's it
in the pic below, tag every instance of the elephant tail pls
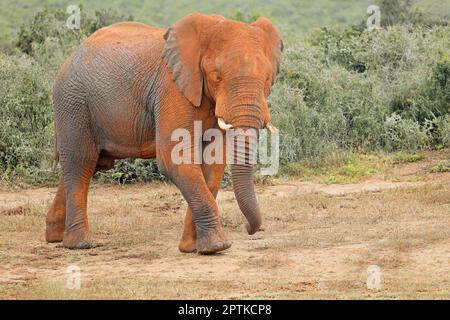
(55, 155)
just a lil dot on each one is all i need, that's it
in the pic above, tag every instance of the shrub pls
(26, 116)
(245, 17)
(349, 89)
(131, 171)
(50, 42)
(403, 12)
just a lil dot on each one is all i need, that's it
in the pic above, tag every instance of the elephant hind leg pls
(104, 163)
(77, 177)
(56, 215)
(78, 157)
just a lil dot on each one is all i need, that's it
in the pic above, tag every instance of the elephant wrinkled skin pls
(129, 86)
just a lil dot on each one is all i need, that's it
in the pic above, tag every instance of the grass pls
(442, 166)
(354, 168)
(402, 157)
(357, 167)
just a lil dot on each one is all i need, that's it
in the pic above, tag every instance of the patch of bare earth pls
(318, 242)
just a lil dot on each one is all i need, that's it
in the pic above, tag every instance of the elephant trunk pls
(244, 191)
(244, 157)
(242, 113)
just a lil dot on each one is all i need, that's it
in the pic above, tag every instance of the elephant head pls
(233, 64)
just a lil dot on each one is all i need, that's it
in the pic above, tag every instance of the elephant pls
(129, 85)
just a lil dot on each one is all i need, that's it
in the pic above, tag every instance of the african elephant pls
(129, 86)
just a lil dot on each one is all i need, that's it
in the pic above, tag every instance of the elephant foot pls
(212, 242)
(54, 233)
(55, 224)
(79, 239)
(187, 245)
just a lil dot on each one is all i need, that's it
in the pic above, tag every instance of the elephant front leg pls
(188, 242)
(210, 237)
(213, 176)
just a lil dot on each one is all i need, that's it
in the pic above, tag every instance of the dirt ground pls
(318, 242)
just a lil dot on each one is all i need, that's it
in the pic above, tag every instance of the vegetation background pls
(342, 90)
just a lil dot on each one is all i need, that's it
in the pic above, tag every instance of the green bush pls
(47, 39)
(404, 12)
(26, 117)
(131, 171)
(245, 17)
(353, 89)
(26, 127)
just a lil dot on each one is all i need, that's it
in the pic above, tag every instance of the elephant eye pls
(214, 75)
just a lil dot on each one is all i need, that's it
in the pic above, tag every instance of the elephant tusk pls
(271, 127)
(223, 125)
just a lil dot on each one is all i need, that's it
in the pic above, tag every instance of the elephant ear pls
(275, 44)
(185, 43)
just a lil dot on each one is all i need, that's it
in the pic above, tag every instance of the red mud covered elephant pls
(129, 86)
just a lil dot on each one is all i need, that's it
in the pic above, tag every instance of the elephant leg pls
(188, 242)
(76, 182)
(56, 215)
(104, 163)
(78, 168)
(191, 182)
(213, 176)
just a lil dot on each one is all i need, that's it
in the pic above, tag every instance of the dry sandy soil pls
(318, 242)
